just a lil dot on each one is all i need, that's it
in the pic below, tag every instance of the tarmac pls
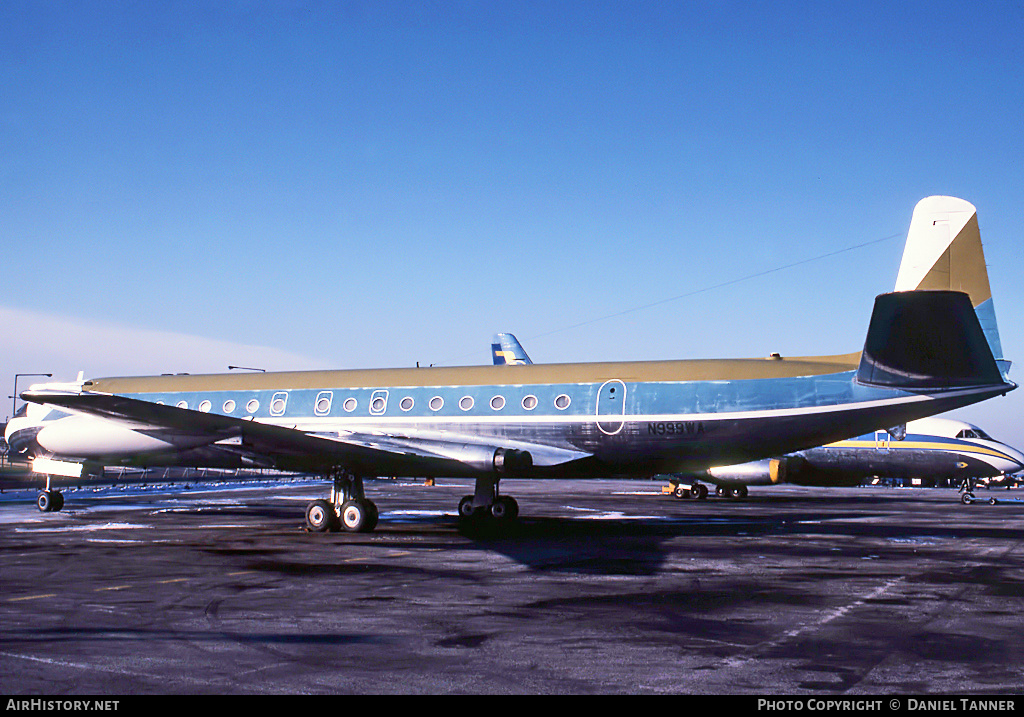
(600, 587)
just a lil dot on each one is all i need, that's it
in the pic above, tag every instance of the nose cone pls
(1006, 459)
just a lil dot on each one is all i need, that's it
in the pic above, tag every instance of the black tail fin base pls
(926, 340)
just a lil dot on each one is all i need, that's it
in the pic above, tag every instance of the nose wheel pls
(50, 501)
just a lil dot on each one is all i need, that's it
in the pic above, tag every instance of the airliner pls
(925, 353)
(929, 449)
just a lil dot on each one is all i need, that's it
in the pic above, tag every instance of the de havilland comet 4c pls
(925, 353)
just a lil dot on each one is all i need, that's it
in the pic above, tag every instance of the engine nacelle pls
(512, 461)
(503, 461)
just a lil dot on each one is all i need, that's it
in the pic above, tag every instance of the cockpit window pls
(974, 433)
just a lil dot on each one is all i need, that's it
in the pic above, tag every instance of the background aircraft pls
(925, 353)
(930, 449)
(507, 351)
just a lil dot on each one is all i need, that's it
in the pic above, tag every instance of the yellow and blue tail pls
(506, 350)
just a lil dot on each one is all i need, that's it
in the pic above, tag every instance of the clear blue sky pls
(352, 184)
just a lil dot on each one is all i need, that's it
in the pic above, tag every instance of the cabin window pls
(323, 403)
(436, 403)
(228, 406)
(252, 406)
(498, 403)
(378, 402)
(466, 403)
(406, 403)
(529, 402)
(278, 403)
(349, 405)
(182, 404)
(205, 406)
(562, 402)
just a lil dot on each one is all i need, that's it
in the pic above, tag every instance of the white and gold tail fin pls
(944, 253)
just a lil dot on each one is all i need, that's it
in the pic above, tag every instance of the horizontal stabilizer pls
(926, 340)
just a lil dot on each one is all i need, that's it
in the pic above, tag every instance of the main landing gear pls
(487, 503)
(684, 489)
(688, 490)
(348, 507)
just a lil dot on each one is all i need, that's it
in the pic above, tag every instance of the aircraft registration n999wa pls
(925, 353)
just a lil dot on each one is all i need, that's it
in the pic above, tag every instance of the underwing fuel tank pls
(769, 471)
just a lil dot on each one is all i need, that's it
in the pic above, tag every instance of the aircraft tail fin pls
(506, 350)
(944, 253)
(927, 341)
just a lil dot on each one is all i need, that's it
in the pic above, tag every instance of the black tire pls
(466, 507)
(44, 501)
(320, 516)
(505, 508)
(357, 516)
(373, 515)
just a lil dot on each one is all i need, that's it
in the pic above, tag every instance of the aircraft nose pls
(1013, 458)
(21, 440)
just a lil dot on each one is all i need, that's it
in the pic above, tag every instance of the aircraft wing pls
(363, 449)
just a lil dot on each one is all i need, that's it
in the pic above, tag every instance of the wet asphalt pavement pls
(601, 587)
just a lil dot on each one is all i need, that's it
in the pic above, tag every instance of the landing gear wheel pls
(359, 516)
(49, 501)
(505, 508)
(680, 492)
(320, 517)
(698, 491)
(466, 507)
(966, 498)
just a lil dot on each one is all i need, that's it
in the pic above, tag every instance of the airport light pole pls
(14, 398)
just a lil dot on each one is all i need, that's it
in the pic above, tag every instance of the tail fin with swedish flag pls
(507, 351)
